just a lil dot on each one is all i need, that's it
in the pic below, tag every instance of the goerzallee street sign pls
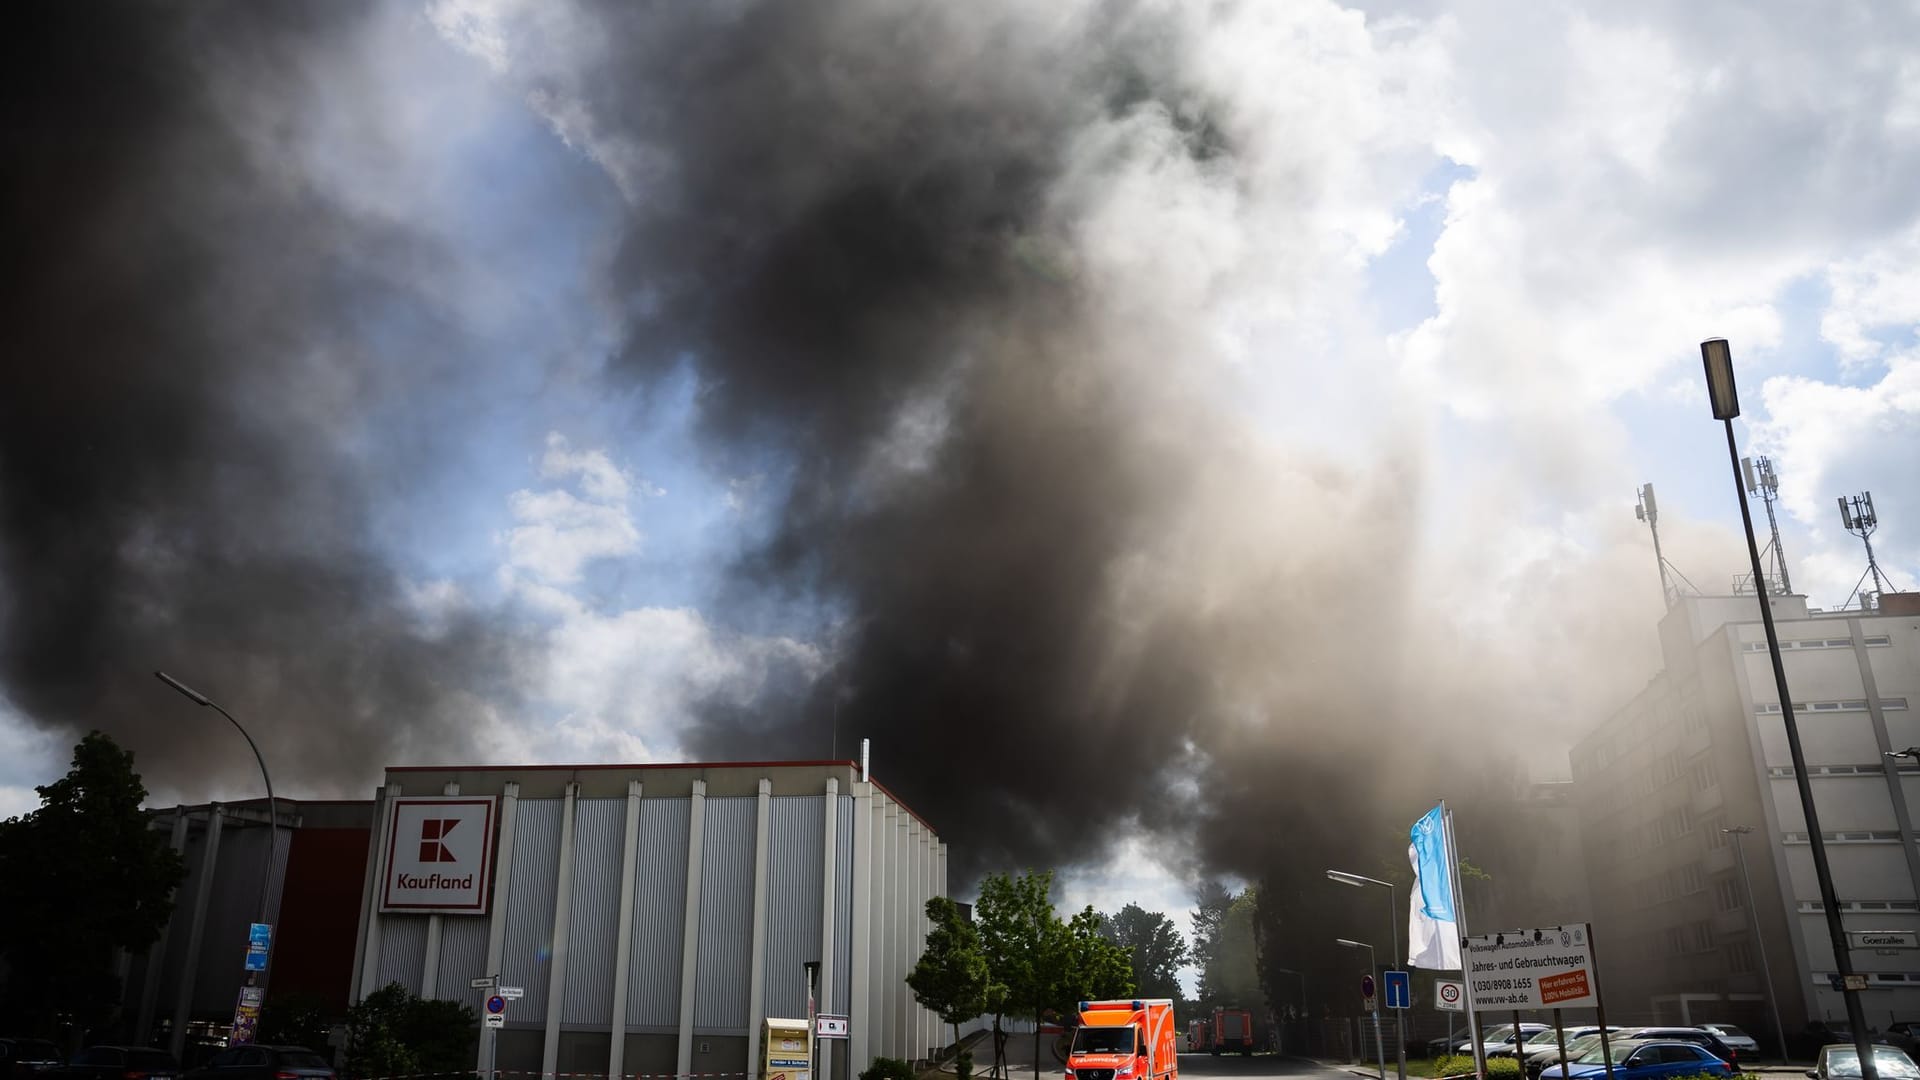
(439, 854)
(1883, 939)
(1548, 968)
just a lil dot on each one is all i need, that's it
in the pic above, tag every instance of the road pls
(1259, 1067)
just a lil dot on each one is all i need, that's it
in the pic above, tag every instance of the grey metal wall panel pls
(599, 826)
(793, 900)
(526, 958)
(403, 948)
(843, 905)
(463, 957)
(659, 914)
(726, 917)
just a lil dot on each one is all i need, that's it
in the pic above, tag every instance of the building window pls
(1740, 958)
(1702, 936)
(1691, 880)
(1726, 895)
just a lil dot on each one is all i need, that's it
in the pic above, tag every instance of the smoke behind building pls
(1019, 314)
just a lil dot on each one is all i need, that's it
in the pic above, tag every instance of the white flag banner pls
(1433, 931)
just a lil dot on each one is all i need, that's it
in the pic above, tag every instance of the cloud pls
(560, 532)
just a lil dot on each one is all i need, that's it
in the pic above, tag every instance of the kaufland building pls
(650, 917)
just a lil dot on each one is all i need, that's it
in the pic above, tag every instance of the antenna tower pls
(1647, 510)
(1856, 513)
(1764, 482)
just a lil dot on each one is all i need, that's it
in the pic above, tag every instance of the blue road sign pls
(1398, 987)
(496, 1004)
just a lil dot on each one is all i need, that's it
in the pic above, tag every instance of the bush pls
(887, 1069)
(963, 1065)
(1462, 1065)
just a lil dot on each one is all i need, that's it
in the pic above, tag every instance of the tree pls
(1231, 974)
(81, 877)
(951, 977)
(393, 1033)
(1155, 950)
(1024, 942)
(1092, 967)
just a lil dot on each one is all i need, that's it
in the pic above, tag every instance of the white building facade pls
(652, 916)
(1703, 749)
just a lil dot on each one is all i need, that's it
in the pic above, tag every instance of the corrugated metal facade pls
(883, 924)
(726, 917)
(403, 950)
(843, 900)
(463, 957)
(659, 912)
(794, 859)
(527, 957)
(599, 827)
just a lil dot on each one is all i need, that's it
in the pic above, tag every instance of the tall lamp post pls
(1379, 1051)
(1362, 881)
(273, 811)
(1725, 398)
(1760, 946)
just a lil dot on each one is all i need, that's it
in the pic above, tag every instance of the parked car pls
(1650, 1059)
(115, 1063)
(264, 1063)
(1700, 1036)
(1498, 1041)
(1738, 1041)
(1579, 1040)
(1837, 1061)
(21, 1058)
(1905, 1035)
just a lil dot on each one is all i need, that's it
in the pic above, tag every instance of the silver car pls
(1741, 1042)
(1843, 1063)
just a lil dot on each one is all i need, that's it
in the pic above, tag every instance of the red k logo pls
(432, 832)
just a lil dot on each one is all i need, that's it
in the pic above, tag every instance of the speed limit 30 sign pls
(1447, 995)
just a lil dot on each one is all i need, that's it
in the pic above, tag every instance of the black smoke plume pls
(185, 377)
(1081, 598)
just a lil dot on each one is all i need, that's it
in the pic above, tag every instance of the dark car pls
(1698, 1036)
(21, 1058)
(264, 1063)
(115, 1063)
(1650, 1059)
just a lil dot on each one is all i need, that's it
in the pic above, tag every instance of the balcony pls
(1706, 802)
(1720, 859)
(1728, 924)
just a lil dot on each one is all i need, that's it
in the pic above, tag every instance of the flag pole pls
(1460, 927)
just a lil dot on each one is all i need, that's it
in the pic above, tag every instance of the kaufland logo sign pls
(439, 854)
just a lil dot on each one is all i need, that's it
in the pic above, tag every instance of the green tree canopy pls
(1230, 973)
(1155, 950)
(393, 1033)
(1092, 968)
(951, 976)
(82, 876)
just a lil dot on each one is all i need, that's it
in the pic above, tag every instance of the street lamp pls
(1725, 399)
(1379, 1050)
(1753, 921)
(1361, 881)
(273, 813)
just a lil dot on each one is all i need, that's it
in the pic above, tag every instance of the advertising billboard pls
(439, 855)
(1548, 968)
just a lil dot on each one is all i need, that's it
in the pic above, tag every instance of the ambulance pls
(1125, 1040)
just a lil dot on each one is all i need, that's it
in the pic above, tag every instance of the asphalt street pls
(1258, 1067)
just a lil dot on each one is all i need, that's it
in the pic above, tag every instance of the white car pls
(1498, 1041)
(1738, 1041)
